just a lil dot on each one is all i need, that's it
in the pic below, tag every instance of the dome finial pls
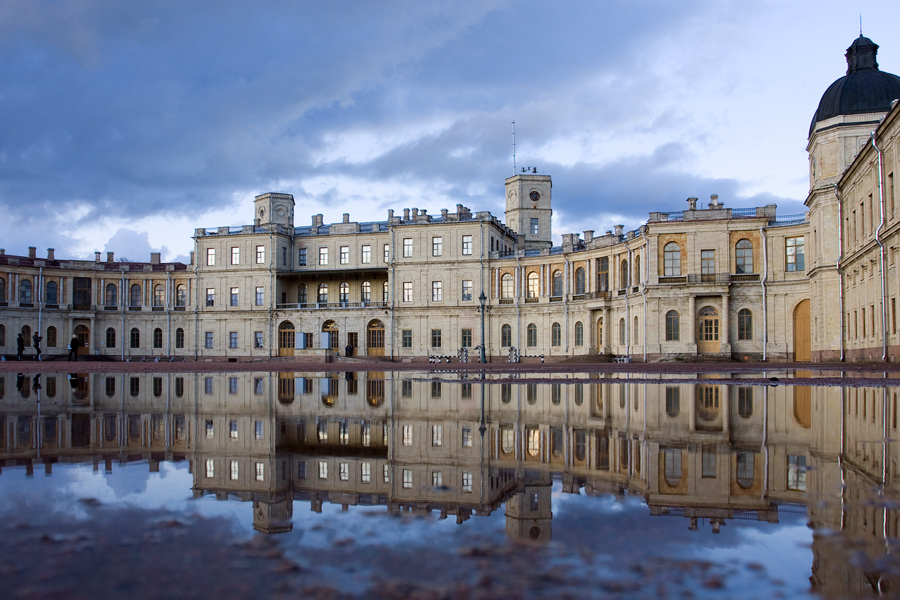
(861, 55)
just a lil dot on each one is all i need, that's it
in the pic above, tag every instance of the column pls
(691, 336)
(725, 322)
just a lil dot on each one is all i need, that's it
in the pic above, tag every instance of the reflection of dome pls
(864, 89)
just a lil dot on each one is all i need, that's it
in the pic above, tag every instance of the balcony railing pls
(507, 300)
(739, 277)
(556, 298)
(531, 300)
(329, 305)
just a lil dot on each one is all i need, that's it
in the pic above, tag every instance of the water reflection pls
(708, 452)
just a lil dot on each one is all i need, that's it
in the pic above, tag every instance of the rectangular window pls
(365, 472)
(260, 255)
(407, 478)
(323, 469)
(709, 460)
(406, 336)
(301, 257)
(258, 339)
(437, 435)
(208, 340)
(260, 295)
(467, 290)
(466, 482)
(284, 256)
(407, 247)
(386, 470)
(344, 471)
(258, 426)
(345, 255)
(467, 437)
(210, 296)
(796, 475)
(366, 257)
(796, 259)
(437, 479)
(210, 257)
(233, 429)
(407, 435)
(235, 296)
(323, 256)
(707, 262)
(435, 338)
(467, 245)
(406, 388)
(437, 291)
(210, 429)
(210, 468)
(436, 389)
(437, 246)
(466, 338)
(535, 227)
(235, 255)
(603, 275)
(235, 470)
(232, 339)
(387, 253)
(407, 291)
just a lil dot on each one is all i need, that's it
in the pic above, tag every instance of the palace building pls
(704, 282)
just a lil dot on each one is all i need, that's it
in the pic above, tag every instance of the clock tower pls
(528, 209)
(273, 208)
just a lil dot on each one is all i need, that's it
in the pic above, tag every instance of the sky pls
(126, 125)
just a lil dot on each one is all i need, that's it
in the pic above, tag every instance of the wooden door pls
(286, 339)
(375, 339)
(83, 333)
(708, 331)
(802, 338)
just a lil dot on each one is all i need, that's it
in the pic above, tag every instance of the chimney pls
(32, 252)
(97, 256)
(415, 213)
(692, 203)
(390, 214)
(588, 235)
(2, 251)
(317, 220)
(444, 212)
(51, 254)
(619, 229)
(714, 201)
(154, 258)
(346, 217)
(110, 257)
(406, 214)
(192, 257)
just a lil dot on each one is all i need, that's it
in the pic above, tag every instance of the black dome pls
(864, 89)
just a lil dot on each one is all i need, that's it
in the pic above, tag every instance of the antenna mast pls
(514, 146)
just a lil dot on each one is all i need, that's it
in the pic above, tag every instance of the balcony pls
(531, 300)
(556, 298)
(672, 279)
(330, 305)
(709, 278)
(744, 277)
(507, 300)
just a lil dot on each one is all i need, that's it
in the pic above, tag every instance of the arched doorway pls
(802, 338)
(599, 334)
(83, 333)
(331, 328)
(375, 338)
(708, 330)
(286, 339)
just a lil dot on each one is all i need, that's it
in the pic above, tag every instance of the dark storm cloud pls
(140, 109)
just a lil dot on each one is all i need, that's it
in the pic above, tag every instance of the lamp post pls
(482, 299)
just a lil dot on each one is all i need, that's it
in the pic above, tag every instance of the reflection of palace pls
(706, 452)
(740, 283)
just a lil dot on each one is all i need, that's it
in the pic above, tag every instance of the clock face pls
(535, 195)
(280, 212)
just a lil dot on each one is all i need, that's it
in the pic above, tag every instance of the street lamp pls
(482, 299)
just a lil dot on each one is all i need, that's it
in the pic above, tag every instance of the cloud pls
(132, 245)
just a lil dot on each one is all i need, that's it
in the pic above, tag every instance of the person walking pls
(37, 345)
(20, 347)
(74, 345)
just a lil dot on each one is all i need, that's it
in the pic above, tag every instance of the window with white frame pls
(260, 471)
(467, 245)
(407, 435)
(323, 256)
(344, 471)
(210, 468)
(235, 470)
(407, 478)
(260, 255)
(210, 257)
(437, 246)
(437, 480)
(437, 291)
(437, 435)
(345, 255)
(535, 227)
(466, 481)
(407, 291)
(260, 295)
(235, 297)
(467, 288)
(235, 255)
(365, 472)
(366, 255)
(323, 469)
(407, 247)
(467, 437)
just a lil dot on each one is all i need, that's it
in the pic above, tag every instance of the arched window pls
(637, 270)
(746, 469)
(671, 259)
(112, 296)
(2, 290)
(179, 338)
(743, 257)
(531, 335)
(134, 298)
(52, 294)
(301, 293)
(623, 275)
(636, 333)
(135, 337)
(533, 286)
(506, 336)
(579, 281)
(745, 324)
(323, 293)
(555, 335)
(365, 291)
(673, 401)
(2, 336)
(51, 337)
(672, 466)
(385, 293)
(600, 331)
(157, 338)
(344, 292)
(622, 332)
(158, 295)
(579, 333)
(673, 326)
(505, 393)
(331, 328)
(745, 402)
(557, 283)
(110, 337)
(25, 292)
(507, 286)
(180, 296)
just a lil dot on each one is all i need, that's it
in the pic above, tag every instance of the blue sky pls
(126, 125)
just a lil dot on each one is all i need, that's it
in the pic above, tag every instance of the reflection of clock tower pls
(528, 209)
(274, 208)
